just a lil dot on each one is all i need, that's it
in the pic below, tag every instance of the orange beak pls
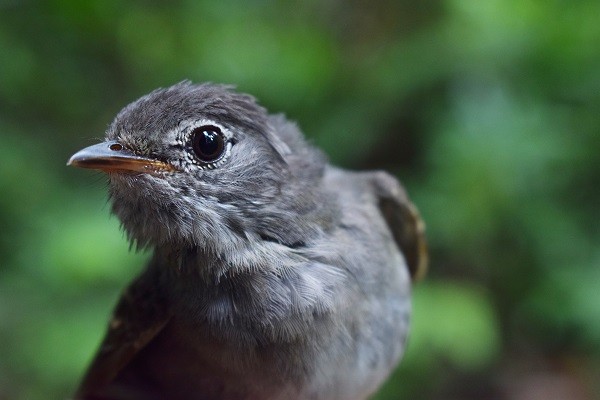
(111, 156)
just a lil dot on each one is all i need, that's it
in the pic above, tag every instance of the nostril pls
(116, 147)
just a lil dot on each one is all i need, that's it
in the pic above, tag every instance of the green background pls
(487, 110)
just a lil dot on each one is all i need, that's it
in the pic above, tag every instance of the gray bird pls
(274, 275)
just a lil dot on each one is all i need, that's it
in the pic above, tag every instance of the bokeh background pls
(487, 110)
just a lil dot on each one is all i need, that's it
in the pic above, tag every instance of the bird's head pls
(204, 166)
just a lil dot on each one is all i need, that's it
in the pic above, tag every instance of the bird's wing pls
(404, 221)
(140, 315)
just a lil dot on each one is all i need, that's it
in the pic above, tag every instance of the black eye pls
(208, 143)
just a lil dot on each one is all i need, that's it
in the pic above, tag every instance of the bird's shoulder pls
(140, 315)
(365, 193)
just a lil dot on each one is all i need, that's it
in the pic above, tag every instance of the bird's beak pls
(111, 156)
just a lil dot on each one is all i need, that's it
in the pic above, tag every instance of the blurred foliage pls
(489, 111)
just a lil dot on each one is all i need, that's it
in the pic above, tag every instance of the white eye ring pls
(206, 144)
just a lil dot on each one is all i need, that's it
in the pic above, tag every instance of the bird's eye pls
(208, 143)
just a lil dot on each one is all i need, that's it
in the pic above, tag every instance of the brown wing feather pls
(138, 317)
(404, 221)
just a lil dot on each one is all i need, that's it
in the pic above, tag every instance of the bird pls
(273, 274)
